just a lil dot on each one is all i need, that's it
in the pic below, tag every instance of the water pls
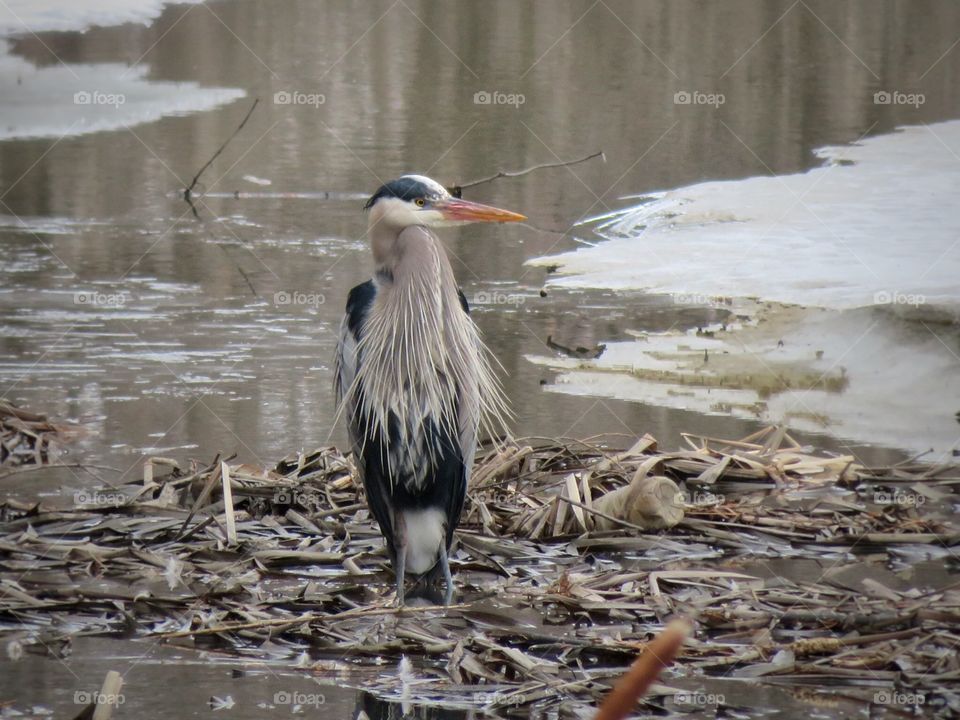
(193, 362)
(121, 310)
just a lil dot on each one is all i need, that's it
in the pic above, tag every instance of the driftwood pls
(653, 502)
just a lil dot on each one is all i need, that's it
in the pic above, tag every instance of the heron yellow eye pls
(420, 202)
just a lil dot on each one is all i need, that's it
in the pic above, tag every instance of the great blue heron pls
(413, 377)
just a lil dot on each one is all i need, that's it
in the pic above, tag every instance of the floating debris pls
(795, 567)
(29, 438)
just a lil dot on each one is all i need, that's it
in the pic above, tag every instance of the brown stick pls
(658, 654)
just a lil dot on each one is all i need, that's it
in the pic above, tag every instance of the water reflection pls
(377, 709)
(193, 359)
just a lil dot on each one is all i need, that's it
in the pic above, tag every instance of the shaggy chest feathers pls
(419, 371)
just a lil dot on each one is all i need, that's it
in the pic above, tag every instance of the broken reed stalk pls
(309, 617)
(228, 504)
(600, 513)
(109, 697)
(308, 511)
(658, 654)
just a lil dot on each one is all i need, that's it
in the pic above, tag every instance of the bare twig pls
(188, 191)
(457, 190)
(189, 196)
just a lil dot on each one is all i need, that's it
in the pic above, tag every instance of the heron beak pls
(465, 211)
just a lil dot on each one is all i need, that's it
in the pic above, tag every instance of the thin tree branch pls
(457, 190)
(188, 191)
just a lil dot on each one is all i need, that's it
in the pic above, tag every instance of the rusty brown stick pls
(658, 654)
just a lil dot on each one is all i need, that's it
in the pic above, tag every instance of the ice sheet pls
(20, 16)
(60, 100)
(878, 224)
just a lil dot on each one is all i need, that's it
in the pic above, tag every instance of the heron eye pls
(420, 202)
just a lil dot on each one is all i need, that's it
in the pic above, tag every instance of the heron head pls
(418, 200)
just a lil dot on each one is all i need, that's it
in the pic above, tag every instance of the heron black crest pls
(407, 187)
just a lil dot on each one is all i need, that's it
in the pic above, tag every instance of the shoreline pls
(834, 372)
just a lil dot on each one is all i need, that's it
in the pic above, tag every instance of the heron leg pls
(445, 566)
(400, 543)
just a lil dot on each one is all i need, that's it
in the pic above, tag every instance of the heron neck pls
(413, 256)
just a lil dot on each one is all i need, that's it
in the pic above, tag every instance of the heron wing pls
(467, 449)
(346, 360)
(346, 364)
